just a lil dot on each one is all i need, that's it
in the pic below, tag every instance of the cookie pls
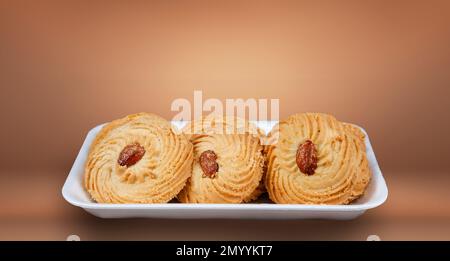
(317, 160)
(228, 165)
(138, 159)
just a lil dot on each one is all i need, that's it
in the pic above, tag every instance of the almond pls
(208, 163)
(306, 157)
(131, 154)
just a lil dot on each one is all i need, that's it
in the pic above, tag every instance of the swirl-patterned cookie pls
(317, 160)
(227, 167)
(138, 159)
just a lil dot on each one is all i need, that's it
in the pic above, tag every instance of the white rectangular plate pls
(74, 192)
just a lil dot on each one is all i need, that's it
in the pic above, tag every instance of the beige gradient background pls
(66, 67)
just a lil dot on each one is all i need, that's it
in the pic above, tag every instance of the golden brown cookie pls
(317, 160)
(227, 167)
(138, 159)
